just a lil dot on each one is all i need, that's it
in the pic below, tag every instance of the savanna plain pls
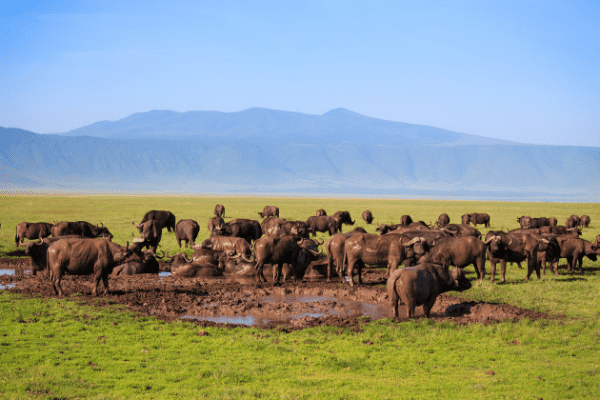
(67, 348)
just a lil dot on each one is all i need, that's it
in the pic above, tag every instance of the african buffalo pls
(166, 219)
(84, 257)
(32, 231)
(369, 249)
(273, 226)
(186, 230)
(476, 218)
(421, 285)
(335, 252)
(279, 251)
(183, 267)
(142, 263)
(532, 245)
(220, 211)
(151, 232)
(269, 211)
(248, 229)
(37, 252)
(81, 228)
(461, 230)
(585, 221)
(443, 220)
(331, 224)
(406, 220)
(458, 251)
(321, 212)
(367, 216)
(571, 222)
(573, 249)
(214, 222)
(230, 245)
(344, 218)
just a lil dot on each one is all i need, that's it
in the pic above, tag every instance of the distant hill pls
(335, 126)
(290, 165)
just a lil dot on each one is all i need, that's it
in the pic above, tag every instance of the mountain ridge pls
(334, 126)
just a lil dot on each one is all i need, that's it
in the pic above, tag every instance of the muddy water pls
(290, 310)
(7, 271)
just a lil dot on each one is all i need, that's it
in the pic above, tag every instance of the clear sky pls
(526, 71)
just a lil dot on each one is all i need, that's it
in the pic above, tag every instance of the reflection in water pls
(9, 286)
(7, 271)
(318, 306)
(164, 274)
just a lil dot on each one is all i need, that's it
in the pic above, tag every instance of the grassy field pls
(61, 349)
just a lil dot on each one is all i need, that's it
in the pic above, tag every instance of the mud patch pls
(239, 302)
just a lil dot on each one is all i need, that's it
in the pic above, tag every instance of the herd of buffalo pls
(248, 247)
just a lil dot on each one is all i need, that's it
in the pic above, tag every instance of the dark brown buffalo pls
(207, 256)
(585, 221)
(279, 251)
(220, 211)
(476, 218)
(182, 267)
(309, 251)
(461, 230)
(32, 231)
(151, 232)
(335, 252)
(344, 217)
(421, 285)
(166, 219)
(269, 211)
(536, 246)
(406, 220)
(367, 216)
(273, 226)
(144, 262)
(459, 252)
(443, 220)
(503, 248)
(230, 245)
(385, 228)
(527, 222)
(571, 222)
(81, 228)
(369, 249)
(248, 229)
(37, 252)
(321, 213)
(214, 222)
(84, 257)
(576, 219)
(186, 230)
(573, 249)
(331, 224)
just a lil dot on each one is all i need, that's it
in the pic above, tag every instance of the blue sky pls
(526, 71)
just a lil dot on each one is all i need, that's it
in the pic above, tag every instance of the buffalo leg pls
(428, 306)
(492, 270)
(351, 264)
(105, 282)
(503, 271)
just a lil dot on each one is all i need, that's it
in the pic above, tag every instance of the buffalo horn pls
(247, 259)
(315, 253)
(301, 241)
(319, 241)
(490, 239)
(413, 241)
(185, 257)
(168, 256)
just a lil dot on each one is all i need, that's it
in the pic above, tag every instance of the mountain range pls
(278, 152)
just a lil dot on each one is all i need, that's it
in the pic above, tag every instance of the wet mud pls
(236, 302)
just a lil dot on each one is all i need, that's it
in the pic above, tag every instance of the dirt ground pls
(239, 302)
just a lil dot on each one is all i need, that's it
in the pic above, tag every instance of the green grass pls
(61, 349)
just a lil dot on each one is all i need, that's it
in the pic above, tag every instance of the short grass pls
(60, 349)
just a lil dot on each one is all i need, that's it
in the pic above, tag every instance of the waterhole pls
(278, 310)
(7, 271)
